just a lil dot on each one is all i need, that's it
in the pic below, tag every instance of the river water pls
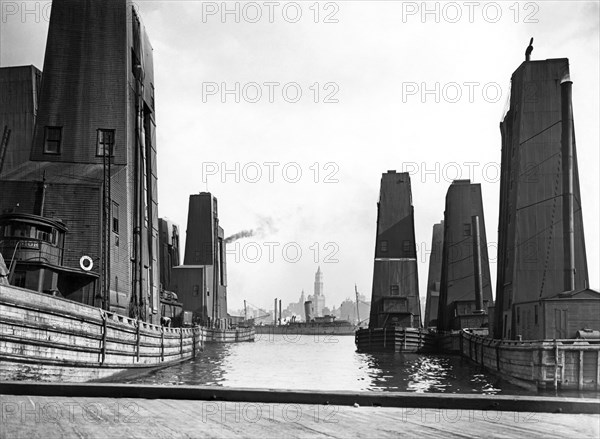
(309, 362)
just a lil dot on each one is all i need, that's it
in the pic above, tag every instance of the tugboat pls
(48, 333)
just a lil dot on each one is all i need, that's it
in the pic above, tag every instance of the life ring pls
(86, 263)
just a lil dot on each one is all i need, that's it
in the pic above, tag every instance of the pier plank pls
(85, 417)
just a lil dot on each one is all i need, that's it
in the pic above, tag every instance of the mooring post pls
(104, 328)
(555, 365)
(193, 342)
(162, 344)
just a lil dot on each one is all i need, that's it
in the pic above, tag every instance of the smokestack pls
(477, 264)
(275, 312)
(566, 142)
(44, 186)
(308, 310)
(279, 312)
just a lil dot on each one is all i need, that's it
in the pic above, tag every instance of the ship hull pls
(229, 335)
(301, 329)
(46, 338)
(395, 339)
(572, 364)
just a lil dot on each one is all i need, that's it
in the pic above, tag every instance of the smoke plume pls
(265, 228)
(239, 235)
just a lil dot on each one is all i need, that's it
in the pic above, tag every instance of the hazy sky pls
(374, 58)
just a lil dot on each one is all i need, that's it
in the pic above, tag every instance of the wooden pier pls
(565, 364)
(34, 410)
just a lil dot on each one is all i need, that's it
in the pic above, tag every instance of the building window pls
(467, 229)
(115, 217)
(52, 138)
(384, 246)
(394, 290)
(105, 143)
(406, 246)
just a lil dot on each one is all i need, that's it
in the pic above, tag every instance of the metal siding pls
(463, 201)
(395, 224)
(531, 208)
(84, 63)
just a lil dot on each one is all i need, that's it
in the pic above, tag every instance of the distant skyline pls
(386, 64)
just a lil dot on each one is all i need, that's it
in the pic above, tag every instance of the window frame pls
(115, 218)
(102, 152)
(47, 141)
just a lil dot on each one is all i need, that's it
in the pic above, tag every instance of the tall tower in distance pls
(319, 298)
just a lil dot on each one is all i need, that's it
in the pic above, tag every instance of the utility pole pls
(357, 311)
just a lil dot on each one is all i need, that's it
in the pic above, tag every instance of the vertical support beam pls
(497, 356)
(137, 340)
(567, 172)
(193, 342)
(597, 370)
(477, 264)
(104, 327)
(580, 378)
(106, 226)
(162, 344)
(555, 365)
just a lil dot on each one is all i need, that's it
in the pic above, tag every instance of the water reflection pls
(309, 362)
(429, 373)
